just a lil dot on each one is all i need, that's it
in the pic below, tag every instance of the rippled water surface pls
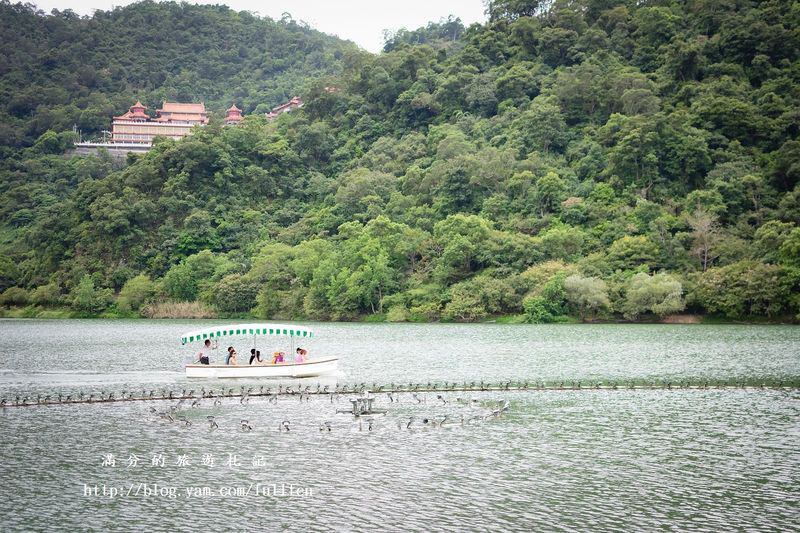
(555, 460)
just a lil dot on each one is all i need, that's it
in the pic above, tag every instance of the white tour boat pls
(265, 369)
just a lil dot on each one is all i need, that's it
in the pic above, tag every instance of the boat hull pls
(314, 367)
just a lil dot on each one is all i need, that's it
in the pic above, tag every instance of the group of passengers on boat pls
(204, 355)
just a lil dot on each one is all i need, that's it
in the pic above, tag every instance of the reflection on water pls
(563, 460)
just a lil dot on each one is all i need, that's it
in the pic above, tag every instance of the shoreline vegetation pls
(566, 161)
(195, 311)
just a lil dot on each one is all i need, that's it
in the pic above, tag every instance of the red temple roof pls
(177, 107)
(233, 114)
(182, 112)
(135, 112)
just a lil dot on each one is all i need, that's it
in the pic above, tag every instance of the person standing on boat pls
(204, 355)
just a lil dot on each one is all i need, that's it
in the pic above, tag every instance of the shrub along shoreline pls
(551, 291)
(175, 311)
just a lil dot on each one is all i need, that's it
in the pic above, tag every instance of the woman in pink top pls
(300, 356)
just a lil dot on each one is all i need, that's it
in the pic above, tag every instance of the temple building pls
(292, 104)
(173, 120)
(184, 113)
(233, 115)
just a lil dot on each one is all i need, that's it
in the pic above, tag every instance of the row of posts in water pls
(306, 390)
(365, 415)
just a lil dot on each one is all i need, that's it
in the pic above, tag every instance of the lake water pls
(555, 460)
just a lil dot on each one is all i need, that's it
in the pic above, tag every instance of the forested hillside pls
(61, 70)
(586, 159)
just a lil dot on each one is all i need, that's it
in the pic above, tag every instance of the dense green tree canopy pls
(583, 157)
(61, 70)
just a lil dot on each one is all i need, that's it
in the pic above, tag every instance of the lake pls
(555, 460)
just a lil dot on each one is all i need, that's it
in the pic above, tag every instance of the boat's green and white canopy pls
(234, 330)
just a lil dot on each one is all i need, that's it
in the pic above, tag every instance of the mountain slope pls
(58, 70)
(590, 159)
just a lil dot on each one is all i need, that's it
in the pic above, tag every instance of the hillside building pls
(233, 115)
(174, 120)
(291, 105)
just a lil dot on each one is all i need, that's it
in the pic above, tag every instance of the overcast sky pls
(361, 21)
